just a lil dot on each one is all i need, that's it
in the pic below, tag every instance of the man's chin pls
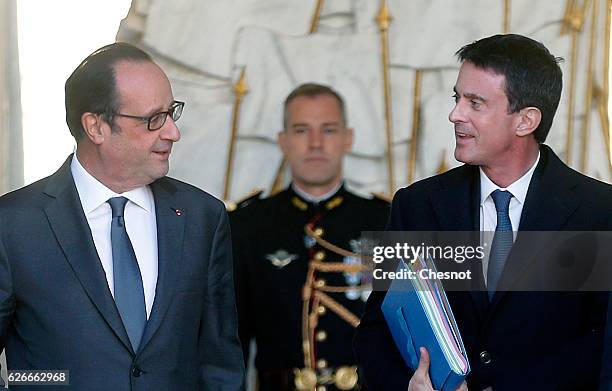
(317, 181)
(162, 171)
(463, 157)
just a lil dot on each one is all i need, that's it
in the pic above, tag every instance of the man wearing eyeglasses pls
(110, 270)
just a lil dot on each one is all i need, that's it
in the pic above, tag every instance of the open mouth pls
(462, 135)
(162, 153)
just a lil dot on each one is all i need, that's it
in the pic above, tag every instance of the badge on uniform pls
(281, 258)
(353, 279)
(357, 279)
(309, 242)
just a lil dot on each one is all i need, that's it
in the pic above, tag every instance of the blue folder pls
(411, 328)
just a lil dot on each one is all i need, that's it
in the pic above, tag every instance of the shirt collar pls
(93, 193)
(518, 188)
(312, 199)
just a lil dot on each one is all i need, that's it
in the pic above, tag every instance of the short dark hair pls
(92, 88)
(532, 73)
(311, 90)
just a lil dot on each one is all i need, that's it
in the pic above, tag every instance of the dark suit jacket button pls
(485, 357)
(136, 372)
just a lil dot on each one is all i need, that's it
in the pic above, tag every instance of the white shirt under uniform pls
(140, 223)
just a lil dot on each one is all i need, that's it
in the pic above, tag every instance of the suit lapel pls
(170, 231)
(69, 224)
(462, 189)
(549, 203)
(550, 199)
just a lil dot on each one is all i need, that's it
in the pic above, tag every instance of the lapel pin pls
(178, 212)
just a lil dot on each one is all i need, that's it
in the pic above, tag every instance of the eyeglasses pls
(157, 120)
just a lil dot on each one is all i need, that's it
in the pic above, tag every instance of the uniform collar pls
(304, 201)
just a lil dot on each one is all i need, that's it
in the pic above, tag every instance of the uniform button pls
(485, 357)
(320, 283)
(321, 335)
(321, 310)
(318, 231)
(136, 372)
(322, 363)
(319, 256)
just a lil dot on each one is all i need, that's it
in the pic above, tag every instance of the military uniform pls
(272, 253)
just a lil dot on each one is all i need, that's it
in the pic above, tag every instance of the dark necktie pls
(129, 292)
(502, 240)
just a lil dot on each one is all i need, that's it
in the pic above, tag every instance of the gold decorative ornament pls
(506, 23)
(277, 184)
(301, 205)
(346, 378)
(443, 165)
(334, 203)
(605, 120)
(416, 114)
(240, 90)
(304, 379)
(321, 336)
(316, 16)
(585, 130)
(383, 20)
(230, 206)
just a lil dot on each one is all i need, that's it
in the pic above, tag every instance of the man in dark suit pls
(108, 268)
(506, 95)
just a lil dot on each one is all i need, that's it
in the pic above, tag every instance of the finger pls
(423, 361)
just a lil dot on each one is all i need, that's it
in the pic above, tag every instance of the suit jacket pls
(57, 312)
(534, 340)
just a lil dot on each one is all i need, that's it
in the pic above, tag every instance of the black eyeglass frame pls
(177, 106)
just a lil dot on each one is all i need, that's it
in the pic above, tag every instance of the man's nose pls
(170, 131)
(457, 113)
(315, 139)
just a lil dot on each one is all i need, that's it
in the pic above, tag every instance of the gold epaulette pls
(254, 195)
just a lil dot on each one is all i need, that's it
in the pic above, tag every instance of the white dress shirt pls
(140, 223)
(488, 213)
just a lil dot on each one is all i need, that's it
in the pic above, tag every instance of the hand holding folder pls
(418, 315)
(420, 381)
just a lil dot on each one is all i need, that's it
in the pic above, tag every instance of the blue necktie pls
(502, 240)
(129, 292)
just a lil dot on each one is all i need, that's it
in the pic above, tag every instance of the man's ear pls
(529, 119)
(92, 124)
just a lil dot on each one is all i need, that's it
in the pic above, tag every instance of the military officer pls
(298, 295)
